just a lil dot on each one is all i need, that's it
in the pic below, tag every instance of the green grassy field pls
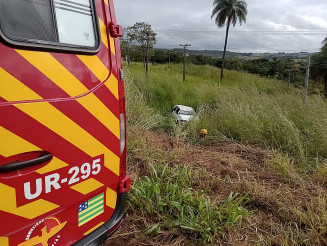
(259, 178)
(244, 107)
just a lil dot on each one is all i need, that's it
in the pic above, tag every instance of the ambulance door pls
(59, 121)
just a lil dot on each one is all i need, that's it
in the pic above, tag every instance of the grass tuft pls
(284, 166)
(167, 196)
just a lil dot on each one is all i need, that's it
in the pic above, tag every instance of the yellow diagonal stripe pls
(55, 164)
(16, 145)
(102, 113)
(59, 123)
(87, 186)
(55, 71)
(103, 31)
(11, 144)
(106, 1)
(72, 86)
(111, 198)
(52, 118)
(29, 211)
(104, 38)
(4, 241)
(96, 66)
(89, 231)
(101, 72)
(112, 84)
(112, 45)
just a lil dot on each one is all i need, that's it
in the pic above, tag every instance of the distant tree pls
(176, 56)
(136, 54)
(284, 69)
(142, 34)
(160, 56)
(319, 66)
(294, 73)
(273, 68)
(234, 64)
(229, 11)
(126, 44)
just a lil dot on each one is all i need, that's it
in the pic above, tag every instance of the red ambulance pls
(63, 174)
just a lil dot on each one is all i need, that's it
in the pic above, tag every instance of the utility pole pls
(169, 59)
(147, 54)
(185, 46)
(128, 53)
(306, 84)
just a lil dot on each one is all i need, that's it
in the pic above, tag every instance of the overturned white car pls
(182, 113)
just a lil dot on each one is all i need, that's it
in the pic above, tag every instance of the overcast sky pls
(272, 25)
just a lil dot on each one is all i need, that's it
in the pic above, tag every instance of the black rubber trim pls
(14, 166)
(99, 236)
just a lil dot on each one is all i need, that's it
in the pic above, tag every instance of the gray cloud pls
(272, 26)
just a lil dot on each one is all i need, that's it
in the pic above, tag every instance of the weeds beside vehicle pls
(167, 196)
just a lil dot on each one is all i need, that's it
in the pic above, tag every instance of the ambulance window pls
(66, 24)
(27, 19)
(75, 22)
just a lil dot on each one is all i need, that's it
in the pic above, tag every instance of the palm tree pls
(230, 11)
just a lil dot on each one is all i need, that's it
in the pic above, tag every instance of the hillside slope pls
(259, 178)
(284, 209)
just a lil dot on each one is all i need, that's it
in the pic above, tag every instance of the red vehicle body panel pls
(68, 105)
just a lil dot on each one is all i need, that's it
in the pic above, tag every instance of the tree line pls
(138, 46)
(319, 66)
(284, 69)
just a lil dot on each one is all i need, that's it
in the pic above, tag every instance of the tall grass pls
(166, 195)
(139, 114)
(244, 107)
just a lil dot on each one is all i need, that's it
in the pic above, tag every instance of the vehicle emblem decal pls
(51, 227)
